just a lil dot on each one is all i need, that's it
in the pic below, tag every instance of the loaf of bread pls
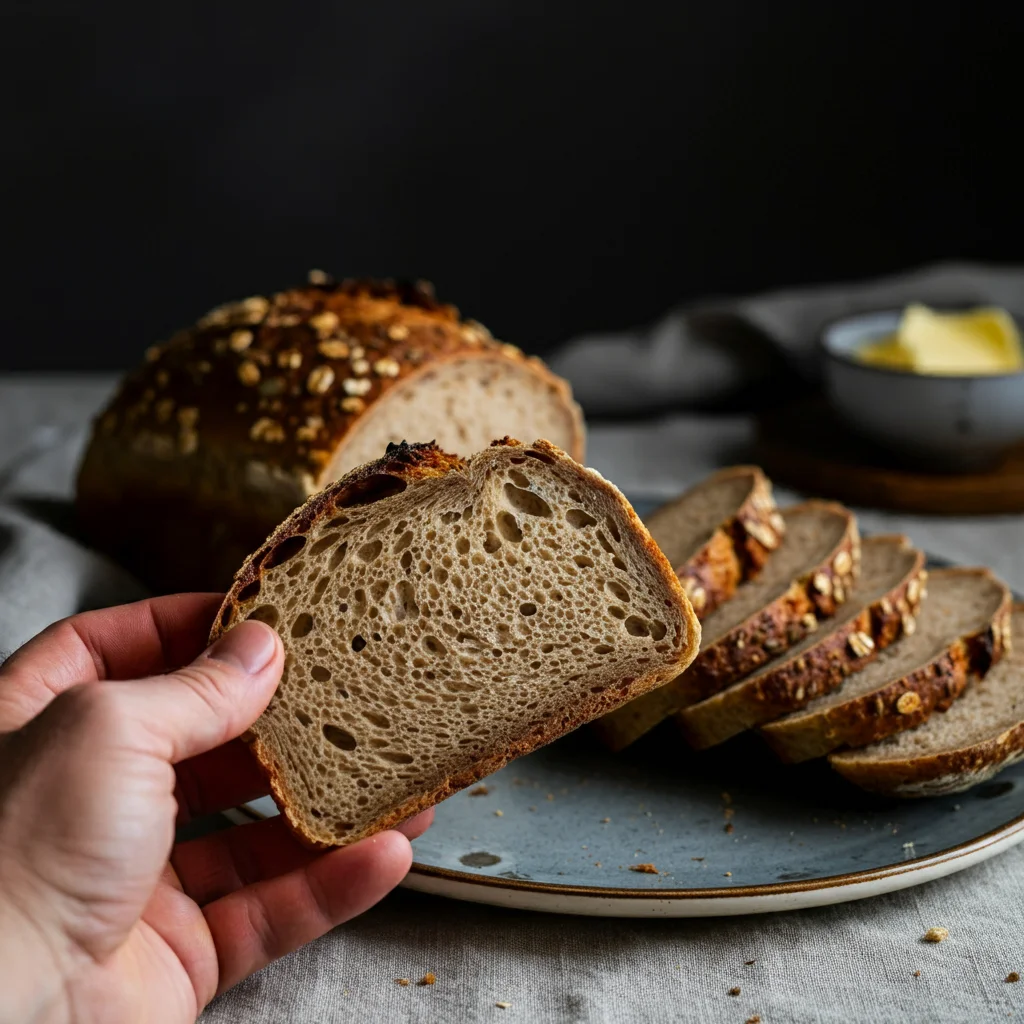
(232, 424)
(443, 616)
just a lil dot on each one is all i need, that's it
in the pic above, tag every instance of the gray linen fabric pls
(707, 352)
(851, 962)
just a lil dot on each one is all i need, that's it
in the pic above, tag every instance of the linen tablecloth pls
(851, 962)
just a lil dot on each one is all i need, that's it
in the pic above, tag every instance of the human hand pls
(102, 916)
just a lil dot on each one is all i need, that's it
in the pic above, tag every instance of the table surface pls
(851, 962)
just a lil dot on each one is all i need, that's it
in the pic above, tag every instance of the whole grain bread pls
(719, 534)
(883, 602)
(975, 739)
(806, 579)
(442, 616)
(961, 630)
(232, 424)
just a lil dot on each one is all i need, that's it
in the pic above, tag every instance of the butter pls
(983, 341)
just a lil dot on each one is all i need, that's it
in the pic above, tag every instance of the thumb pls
(214, 699)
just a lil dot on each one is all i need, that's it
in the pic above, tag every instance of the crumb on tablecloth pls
(644, 869)
(735, 990)
(402, 981)
(502, 1006)
(428, 979)
(936, 935)
(480, 790)
(1013, 977)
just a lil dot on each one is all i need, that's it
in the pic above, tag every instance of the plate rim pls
(952, 853)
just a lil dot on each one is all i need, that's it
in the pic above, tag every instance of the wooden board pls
(804, 447)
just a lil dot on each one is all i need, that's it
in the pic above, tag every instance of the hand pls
(102, 916)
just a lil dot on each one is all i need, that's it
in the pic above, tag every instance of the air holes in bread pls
(405, 601)
(526, 502)
(619, 563)
(339, 555)
(302, 718)
(491, 543)
(578, 519)
(249, 591)
(321, 586)
(635, 626)
(433, 645)
(508, 527)
(404, 541)
(612, 528)
(323, 544)
(603, 649)
(320, 674)
(381, 721)
(583, 561)
(658, 629)
(226, 616)
(618, 590)
(373, 488)
(368, 552)
(358, 643)
(339, 737)
(527, 609)
(605, 542)
(303, 625)
(285, 550)
(519, 479)
(396, 757)
(462, 546)
(540, 456)
(266, 613)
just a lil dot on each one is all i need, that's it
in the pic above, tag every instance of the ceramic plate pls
(662, 831)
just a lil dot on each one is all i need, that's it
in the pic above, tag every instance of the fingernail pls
(250, 646)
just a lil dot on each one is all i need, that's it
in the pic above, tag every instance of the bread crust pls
(817, 671)
(944, 772)
(232, 424)
(873, 716)
(738, 548)
(810, 598)
(401, 467)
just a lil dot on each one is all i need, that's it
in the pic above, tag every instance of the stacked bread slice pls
(844, 648)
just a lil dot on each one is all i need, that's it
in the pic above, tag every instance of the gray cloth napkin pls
(711, 351)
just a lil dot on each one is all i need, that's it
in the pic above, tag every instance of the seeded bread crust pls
(883, 712)
(816, 671)
(948, 771)
(813, 596)
(232, 424)
(738, 548)
(401, 466)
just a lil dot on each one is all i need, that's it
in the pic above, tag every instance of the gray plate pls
(727, 831)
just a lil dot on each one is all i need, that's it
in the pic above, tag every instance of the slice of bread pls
(719, 534)
(443, 616)
(979, 736)
(804, 581)
(883, 599)
(961, 630)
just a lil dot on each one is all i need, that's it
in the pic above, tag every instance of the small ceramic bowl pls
(943, 422)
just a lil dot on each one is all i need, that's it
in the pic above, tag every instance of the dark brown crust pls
(873, 716)
(767, 633)
(409, 464)
(817, 671)
(279, 382)
(738, 548)
(948, 771)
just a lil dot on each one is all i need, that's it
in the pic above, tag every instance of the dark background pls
(553, 167)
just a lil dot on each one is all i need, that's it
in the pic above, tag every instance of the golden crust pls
(402, 466)
(902, 703)
(768, 632)
(273, 384)
(818, 670)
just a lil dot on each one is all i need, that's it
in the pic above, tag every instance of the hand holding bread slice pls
(441, 616)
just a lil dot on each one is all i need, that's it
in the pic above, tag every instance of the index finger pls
(127, 642)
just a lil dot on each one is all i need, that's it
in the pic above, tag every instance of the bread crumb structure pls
(443, 616)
